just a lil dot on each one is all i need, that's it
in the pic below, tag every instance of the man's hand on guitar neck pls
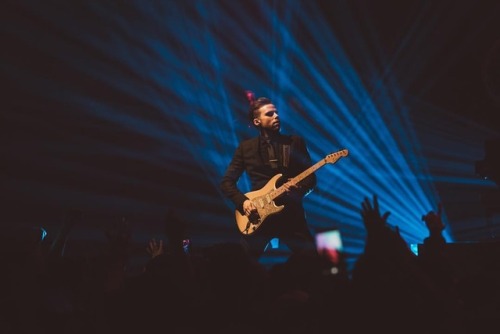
(290, 185)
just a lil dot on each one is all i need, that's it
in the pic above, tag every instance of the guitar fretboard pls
(281, 190)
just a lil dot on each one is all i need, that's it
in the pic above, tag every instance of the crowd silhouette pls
(221, 289)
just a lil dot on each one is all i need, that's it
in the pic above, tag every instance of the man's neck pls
(269, 134)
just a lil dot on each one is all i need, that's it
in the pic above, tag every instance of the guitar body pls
(265, 207)
(263, 199)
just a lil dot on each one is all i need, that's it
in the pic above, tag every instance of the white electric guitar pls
(263, 199)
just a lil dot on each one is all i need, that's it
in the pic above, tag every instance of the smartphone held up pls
(329, 245)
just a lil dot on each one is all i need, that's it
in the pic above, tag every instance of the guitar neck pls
(281, 190)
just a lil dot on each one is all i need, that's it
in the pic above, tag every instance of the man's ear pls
(256, 121)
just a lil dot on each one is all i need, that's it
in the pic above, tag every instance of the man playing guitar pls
(270, 159)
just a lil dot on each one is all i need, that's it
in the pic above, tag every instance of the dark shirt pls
(252, 157)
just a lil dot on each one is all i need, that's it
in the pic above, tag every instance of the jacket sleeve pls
(229, 181)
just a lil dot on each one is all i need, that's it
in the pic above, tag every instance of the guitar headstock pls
(333, 157)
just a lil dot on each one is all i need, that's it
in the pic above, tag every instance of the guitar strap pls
(286, 155)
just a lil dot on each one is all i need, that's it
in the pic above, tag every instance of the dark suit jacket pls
(248, 158)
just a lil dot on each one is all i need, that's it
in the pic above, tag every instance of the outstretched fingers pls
(371, 212)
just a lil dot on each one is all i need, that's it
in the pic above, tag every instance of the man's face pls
(268, 118)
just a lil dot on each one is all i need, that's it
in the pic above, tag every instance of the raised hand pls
(433, 221)
(371, 214)
(155, 248)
